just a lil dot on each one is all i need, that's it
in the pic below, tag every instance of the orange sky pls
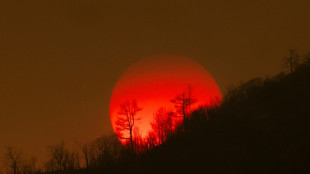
(59, 61)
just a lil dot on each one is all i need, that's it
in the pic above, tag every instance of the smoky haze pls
(60, 60)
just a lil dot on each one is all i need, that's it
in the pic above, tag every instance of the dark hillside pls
(263, 126)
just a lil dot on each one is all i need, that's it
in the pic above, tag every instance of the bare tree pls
(61, 159)
(139, 144)
(163, 124)
(25, 168)
(183, 102)
(150, 141)
(50, 165)
(71, 161)
(169, 123)
(158, 125)
(292, 61)
(104, 151)
(28, 166)
(126, 121)
(12, 159)
(57, 154)
(85, 151)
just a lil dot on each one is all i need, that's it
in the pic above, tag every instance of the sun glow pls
(153, 82)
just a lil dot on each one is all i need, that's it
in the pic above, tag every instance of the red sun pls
(153, 82)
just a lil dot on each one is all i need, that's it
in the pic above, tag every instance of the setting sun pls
(154, 82)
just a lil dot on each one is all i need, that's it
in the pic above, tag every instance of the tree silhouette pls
(126, 120)
(138, 141)
(28, 166)
(163, 124)
(12, 158)
(292, 62)
(57, 154)
(104, 151)
(183, 102)
(150, 141)
(85, 151)
(61, 159)
(33, 162)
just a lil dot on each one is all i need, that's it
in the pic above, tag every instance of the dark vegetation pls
(261, 126)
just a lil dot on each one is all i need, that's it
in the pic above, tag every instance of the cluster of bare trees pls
(107, 150)
(61, 159)
(103, 151)
(164, 123)
(16, 164)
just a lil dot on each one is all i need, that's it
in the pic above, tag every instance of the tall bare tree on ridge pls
(183, 102)
(126, 120)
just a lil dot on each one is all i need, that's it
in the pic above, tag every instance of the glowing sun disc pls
(153, 82)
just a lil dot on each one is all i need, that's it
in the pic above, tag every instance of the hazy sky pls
(59, 60)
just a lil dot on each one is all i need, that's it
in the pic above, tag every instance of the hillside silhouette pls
(262, 126)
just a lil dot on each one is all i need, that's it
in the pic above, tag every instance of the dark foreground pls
(262, 126)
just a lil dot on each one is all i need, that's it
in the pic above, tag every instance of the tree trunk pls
(131, 141)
